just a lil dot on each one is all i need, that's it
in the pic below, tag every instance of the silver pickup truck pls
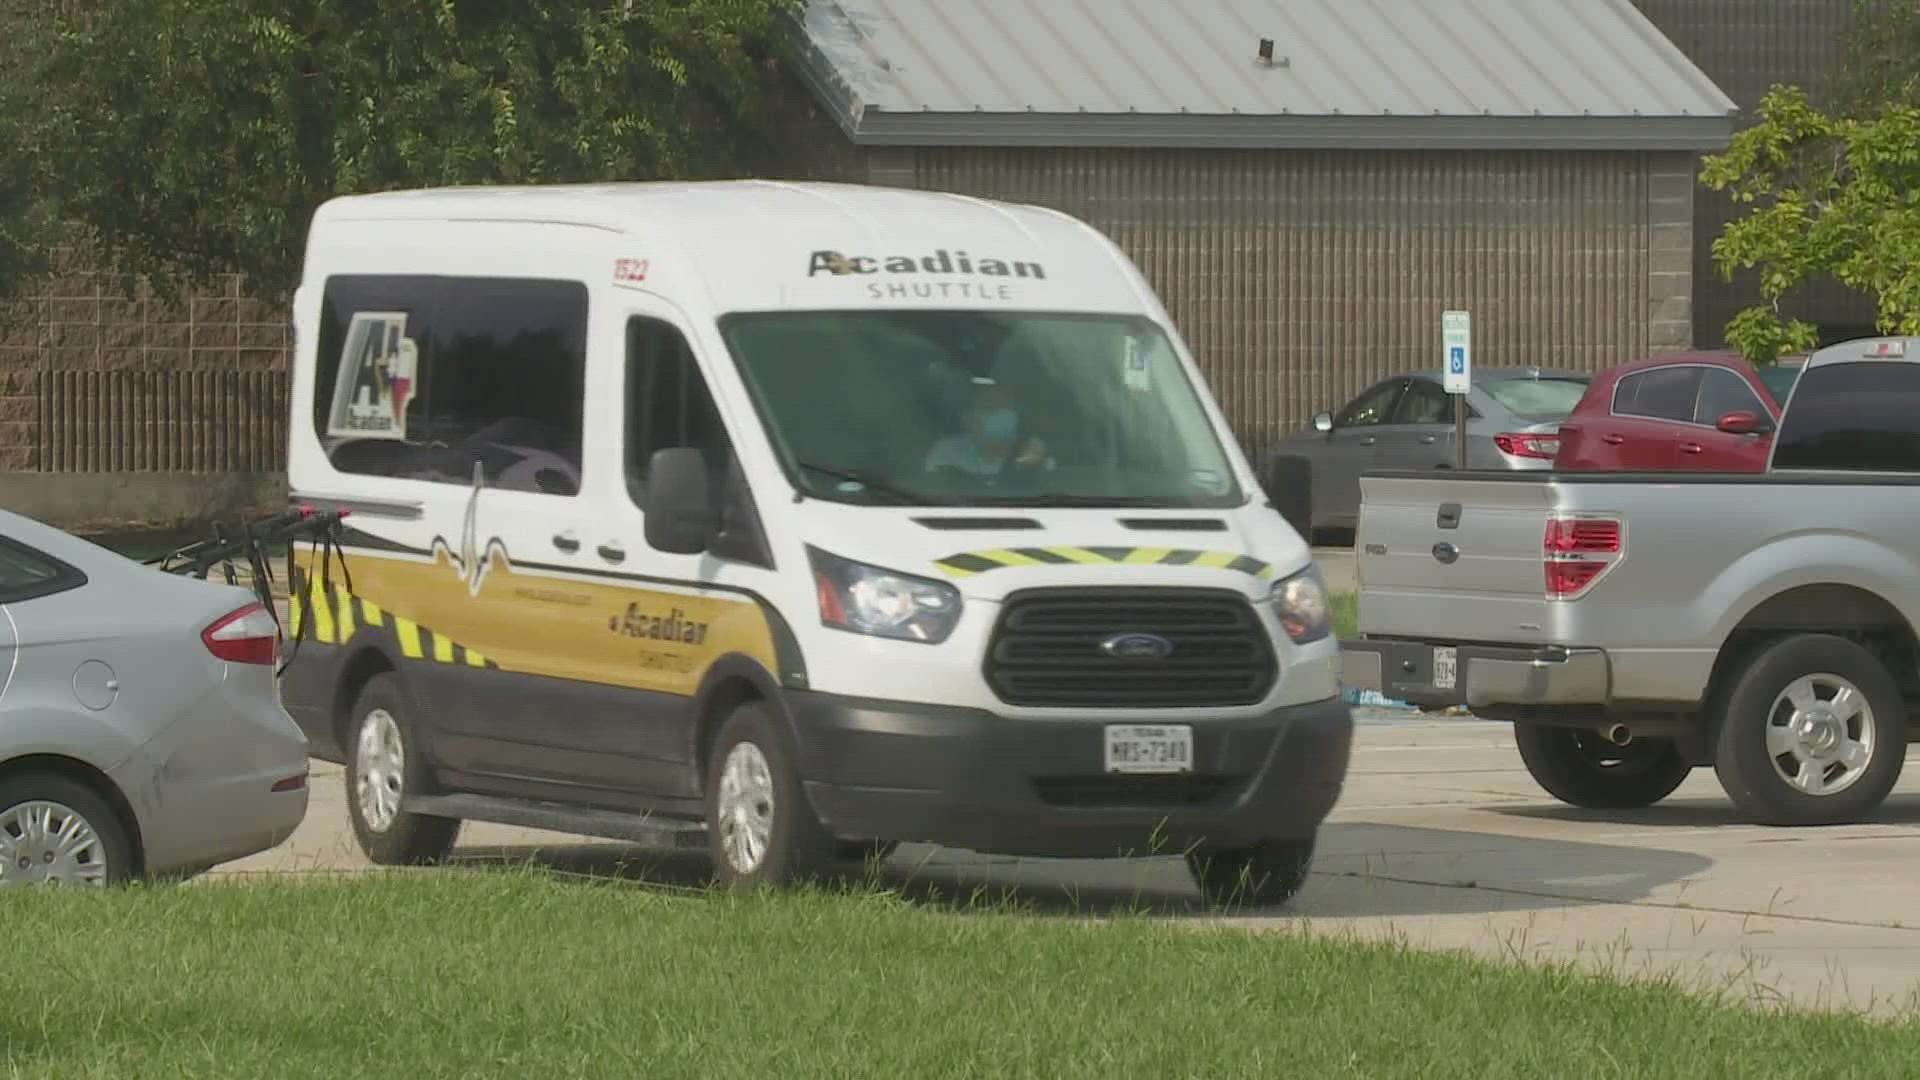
(1634, 626)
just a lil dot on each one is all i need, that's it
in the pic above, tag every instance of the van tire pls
(1581, 768)
(1266, 875)
(381, 721)
(761, 830)
(1757, 715)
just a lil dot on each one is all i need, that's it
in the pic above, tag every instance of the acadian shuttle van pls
(792, 522)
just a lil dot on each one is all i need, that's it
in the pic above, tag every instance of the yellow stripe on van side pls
(409, 634)
(344, 613)
(442, 647)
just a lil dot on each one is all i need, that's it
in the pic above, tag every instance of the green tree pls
(1881, 43)
(1826, 194)
(195, 137)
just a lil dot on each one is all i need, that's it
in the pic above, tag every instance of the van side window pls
(421, 377)
(668, 403)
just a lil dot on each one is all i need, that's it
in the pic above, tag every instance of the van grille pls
(1046, 649)
(1091, 792)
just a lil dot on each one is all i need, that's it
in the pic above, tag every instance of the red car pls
(1686, 412)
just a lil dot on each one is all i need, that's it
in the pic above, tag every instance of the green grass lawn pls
(483, 973)
(1346, 614)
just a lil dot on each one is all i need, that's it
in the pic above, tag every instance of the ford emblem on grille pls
(1137, 647)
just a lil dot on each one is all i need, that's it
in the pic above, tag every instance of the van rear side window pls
(421, 377)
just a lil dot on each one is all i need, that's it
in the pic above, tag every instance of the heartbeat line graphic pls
(471, 562)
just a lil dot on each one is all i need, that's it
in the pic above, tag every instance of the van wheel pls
(1581, 768)
(760, 828)
(54, 831)
(383, 767)
(1812, 732)
(1266, 875)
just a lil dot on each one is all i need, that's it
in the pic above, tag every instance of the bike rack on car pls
(251, 543)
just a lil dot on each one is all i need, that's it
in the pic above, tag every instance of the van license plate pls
(1446, 667)
(1149, 748)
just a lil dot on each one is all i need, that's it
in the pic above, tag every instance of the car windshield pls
(968, 408)
(1779, 380)
(1550, 398)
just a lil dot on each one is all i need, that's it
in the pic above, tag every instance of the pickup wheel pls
(1812, 732)
(1581, 768)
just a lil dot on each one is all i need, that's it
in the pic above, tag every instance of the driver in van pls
(992, 440)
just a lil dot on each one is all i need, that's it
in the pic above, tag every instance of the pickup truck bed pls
(1634, 626)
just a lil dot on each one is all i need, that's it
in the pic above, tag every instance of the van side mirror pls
(1323, 421)
(1744, 423)
(680, 515)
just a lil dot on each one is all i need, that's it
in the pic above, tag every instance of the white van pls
(791, 521)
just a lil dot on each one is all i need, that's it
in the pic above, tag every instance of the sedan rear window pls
(26, 574)
(1537, 399)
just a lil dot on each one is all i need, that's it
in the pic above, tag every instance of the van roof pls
(622, 207)
(770, 244)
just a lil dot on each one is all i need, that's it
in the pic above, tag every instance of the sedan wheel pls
(54, 831)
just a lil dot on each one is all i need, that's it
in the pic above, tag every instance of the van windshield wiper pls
(868, 481)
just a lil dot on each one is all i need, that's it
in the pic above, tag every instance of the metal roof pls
(1345, 74)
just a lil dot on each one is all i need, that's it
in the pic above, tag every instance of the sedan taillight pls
(246, 636)
(1542, 447)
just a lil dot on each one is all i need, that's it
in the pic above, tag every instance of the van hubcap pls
(380, 763)
(46, 843)
(1820, 734)
(745, 808)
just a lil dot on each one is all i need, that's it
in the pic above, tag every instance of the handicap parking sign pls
(1457, 360)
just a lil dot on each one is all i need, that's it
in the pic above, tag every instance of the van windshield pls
(970, 408)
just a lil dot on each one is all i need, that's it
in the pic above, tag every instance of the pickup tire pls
(1581, 768)
(1812, 732)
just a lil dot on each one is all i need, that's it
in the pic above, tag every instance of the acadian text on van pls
(941, 263)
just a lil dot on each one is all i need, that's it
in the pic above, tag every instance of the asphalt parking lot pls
(1443, 839)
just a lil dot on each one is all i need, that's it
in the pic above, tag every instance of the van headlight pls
(864, 599)
(1302, 605)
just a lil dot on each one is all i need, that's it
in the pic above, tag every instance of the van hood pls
(989, 552)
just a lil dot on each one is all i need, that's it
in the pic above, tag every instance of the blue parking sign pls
(1457, 360)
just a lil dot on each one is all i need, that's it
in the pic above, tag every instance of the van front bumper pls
(1483, 675)
(889, 770)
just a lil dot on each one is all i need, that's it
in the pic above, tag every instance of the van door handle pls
(1691, 448)
(1613, 440)
(1429, 439)
(613, 552)
(566, 542)
(1366, 440)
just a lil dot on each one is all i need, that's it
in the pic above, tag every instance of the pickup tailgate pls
(1455, 558)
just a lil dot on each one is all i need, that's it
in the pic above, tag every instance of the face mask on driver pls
(999, 424)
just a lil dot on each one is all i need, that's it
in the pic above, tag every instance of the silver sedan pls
(1406, 422)
(141, 732)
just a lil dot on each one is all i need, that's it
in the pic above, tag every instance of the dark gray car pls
(1406, 422)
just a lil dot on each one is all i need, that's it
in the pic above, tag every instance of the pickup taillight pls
(1577, 551)
(1520, 444)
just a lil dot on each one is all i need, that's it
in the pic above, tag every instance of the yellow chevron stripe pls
(370, 612)
(474, 659)
(1010, 558)
(344, 613)
(1079, 555)
(442, 647)
(322, 614)
(966, 564)
(409, 634)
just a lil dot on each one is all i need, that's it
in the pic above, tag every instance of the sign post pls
(1456, 374)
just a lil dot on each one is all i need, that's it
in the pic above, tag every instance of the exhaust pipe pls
(1618, 735)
